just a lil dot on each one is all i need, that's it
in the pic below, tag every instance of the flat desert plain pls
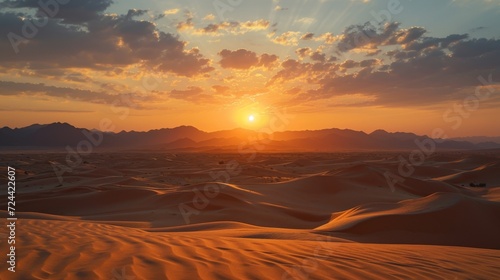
(157, 215)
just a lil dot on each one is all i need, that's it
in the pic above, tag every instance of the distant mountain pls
(50, 135)
(154, 137)
(478, 139)
(190, 138)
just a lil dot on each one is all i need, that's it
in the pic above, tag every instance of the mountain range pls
(189, 138)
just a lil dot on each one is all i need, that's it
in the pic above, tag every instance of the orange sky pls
(149, 65)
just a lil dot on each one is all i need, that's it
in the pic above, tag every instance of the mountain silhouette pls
(188, 137)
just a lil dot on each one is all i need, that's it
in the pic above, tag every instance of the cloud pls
(479, 28)
(415, 70)
(171, 12)
(226, 27)
(303, 52)
(13, 88)
(245, 59)
(366, 36)
(192, 94)
(434, 43)
(209, 17)
(328, 38)
(309, 72)
(289, 38)
(353, 64)
(268, 60)
(239, 59)
(78, 77)
(183, 63)
(292, 38)
(388, 65)
(220, 89)
(409, 35)
(317, 55)
(475, 47)
(307, 36)
(279, 8)
(103, 42)
(46, 110)
(305, 20)
(71, 12)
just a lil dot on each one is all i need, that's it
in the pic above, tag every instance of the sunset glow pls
(349, 64)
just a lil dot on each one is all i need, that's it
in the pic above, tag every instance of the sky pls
(398, 65)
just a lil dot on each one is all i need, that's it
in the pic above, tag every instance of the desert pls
(144, 215)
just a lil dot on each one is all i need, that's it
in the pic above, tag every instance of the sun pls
(249, 117)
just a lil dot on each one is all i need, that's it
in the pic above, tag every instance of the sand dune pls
(441, 218)
(486, 173)
(80, 250)
(282, 216)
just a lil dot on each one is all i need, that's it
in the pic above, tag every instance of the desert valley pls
(163, 215)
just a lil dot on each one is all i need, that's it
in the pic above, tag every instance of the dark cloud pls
(417, 70)
(312, 73)
(13, 88)
(409, 35)
(303, 52)
(367, 36)
(431, 42)
(349, 64)
(78, 77)
(307, 36)
(267, 60)
(104, 42)
(135, 13)
(368, 63)
(193, 94)
(405, 67)
(364, 63)
(245, 59)
(239, 59)
(475, 48)
(71, 12)
(316, 56)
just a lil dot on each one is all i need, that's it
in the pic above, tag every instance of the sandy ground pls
(129, 216)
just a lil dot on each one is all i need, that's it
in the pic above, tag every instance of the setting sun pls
(251, 118)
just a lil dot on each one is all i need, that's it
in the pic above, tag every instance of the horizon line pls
(248, 129)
